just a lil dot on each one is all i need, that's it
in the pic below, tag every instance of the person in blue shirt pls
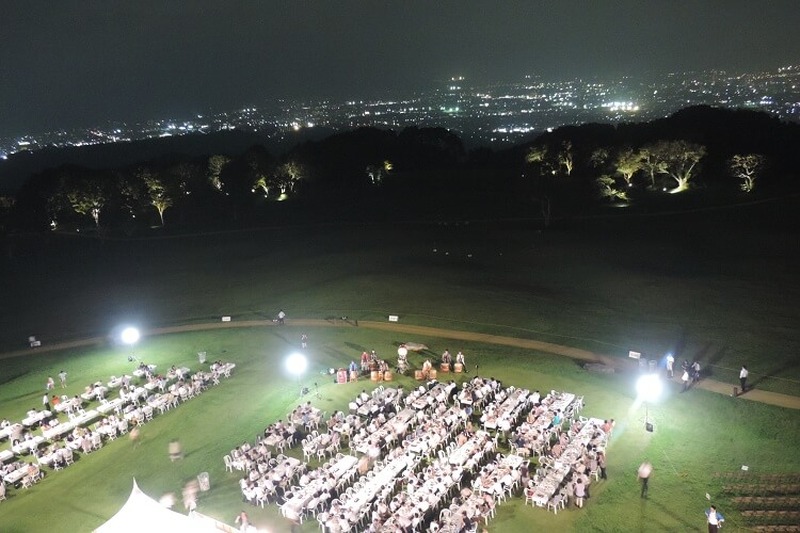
(714, 518)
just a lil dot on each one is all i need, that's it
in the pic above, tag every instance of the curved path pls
(756, 395)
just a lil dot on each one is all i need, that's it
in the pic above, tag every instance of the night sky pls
(79, 63)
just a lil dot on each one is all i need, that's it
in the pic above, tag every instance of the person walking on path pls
(281, 317)
(714, 519)
(743, 373)
(304, 341)
(670, 363)
(645, 469)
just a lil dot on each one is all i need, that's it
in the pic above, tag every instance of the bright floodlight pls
(129, 336)
(296, 364)
(649, 387)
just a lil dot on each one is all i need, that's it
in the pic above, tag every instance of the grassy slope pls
(697, 433)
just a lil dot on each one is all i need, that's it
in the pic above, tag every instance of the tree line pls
(422, 169)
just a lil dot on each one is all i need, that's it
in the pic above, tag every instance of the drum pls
(387, 376)
(459, 368)
(418, 375)
(353, 375)
(374, 375)
(445, 368)
(432, 374)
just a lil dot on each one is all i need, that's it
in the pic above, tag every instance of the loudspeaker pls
(648, 426)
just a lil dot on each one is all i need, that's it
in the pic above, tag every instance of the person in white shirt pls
(715, 519)
(743, 373)
(670, 363)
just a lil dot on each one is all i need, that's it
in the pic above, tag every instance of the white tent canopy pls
(141, 513)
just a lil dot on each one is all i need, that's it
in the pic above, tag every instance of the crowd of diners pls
(83, 423)
(438, 457)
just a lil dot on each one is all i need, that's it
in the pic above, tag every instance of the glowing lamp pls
(296, 364)
(130, 336)
(649, 387)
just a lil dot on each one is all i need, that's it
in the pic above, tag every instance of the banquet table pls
(95, 393)
(16, 475)
(106, 407)
(362, 499)
(32, 420)
(5, 455)
(27, 446)
(7, 431)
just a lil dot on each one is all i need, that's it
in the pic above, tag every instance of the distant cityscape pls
(483, 115)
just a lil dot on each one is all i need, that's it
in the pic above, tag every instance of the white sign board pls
(634, 355)
(393, 318)
(226, 319)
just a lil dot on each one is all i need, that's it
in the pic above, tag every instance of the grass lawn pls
(697, 433)
(720, 286)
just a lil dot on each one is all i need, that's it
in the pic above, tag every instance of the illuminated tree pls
(540, 159)
(676, 159)
(160, 197)
(609, 190)
(566, 157)
(628, 162)
(87, 197)
(747, 167)
(263, 182)
(288, 175)
(651, 163)
(377, 172)
(215, 165)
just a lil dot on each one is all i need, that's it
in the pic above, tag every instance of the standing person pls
(190, 491)
(62, 376)
(580, 493)
(51, 384)
(46, 402)
(281, 317)
(685, 380)
(133, 434)
(242, 520)
(645, 469)
(696, 371)
(304, 341)
(601, 464)
(714, 518)
(670, 363)
(460, 359)
(743, 373)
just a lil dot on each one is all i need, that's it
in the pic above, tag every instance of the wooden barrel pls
(459, 368)
(353, 375)
(432, 374)
(418, 375)
(387, 376)
(444, 368)
(374, 375)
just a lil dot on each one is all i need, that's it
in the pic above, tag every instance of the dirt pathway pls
(756, 395)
